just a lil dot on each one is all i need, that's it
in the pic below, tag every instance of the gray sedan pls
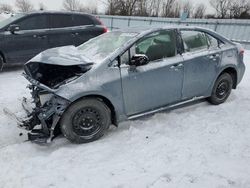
(126, 74)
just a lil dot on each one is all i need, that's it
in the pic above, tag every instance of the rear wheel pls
(85, 121)
(222, 89)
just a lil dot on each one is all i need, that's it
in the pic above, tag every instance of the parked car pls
(25, 35)
(125, 74)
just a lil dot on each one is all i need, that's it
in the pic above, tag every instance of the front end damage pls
(45, 80)
(47, 73)
(45, 116)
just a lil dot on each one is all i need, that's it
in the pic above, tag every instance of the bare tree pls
(187, 7)
(5, 8)
(87, 9)
(171, 8)
(177, 10)
(168, 7)
(42, 6)
(129, 6)
(222, 7)
(154, 7)
(24, 5)
(71, 5)
(144, 7)
(199, 11)
(239, 7)
(122, 7)
(210, 16)
(76, 5)
(141, 8)
(111, 7)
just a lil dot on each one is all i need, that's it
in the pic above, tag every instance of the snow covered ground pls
(200, 145)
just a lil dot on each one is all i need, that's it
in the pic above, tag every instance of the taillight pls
(241, 52)
(105, 29)
(240, 48)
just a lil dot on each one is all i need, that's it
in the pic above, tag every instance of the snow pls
(199, 145)
(4, 16)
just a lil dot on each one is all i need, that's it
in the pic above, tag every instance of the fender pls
(231, 66)
(116, 102)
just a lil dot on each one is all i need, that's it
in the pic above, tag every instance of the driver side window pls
(156, 46)
(33, 23)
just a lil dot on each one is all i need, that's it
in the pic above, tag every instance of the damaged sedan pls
(125, 74)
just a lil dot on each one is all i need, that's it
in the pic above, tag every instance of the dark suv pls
(25, 35)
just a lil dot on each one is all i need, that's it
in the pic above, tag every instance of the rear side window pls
(80, 20)
(61, 21)
(34, 22)
(212, 42)
(194, 41)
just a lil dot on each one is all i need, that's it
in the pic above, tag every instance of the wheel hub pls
(86, 122)
(222, 89)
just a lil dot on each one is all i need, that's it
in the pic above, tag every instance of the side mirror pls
(13, 28)
(139, 60)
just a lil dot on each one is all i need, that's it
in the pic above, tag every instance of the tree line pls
(238, 9)
(27, 6)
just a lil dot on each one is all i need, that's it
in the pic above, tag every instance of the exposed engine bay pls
(55, 75)
(44, 117)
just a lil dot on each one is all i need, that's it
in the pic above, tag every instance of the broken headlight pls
(45, 97)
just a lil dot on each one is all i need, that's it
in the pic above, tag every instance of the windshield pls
(104, 45)
(9, 20)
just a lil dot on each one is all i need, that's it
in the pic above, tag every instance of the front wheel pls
(85, 121)
(222, 89)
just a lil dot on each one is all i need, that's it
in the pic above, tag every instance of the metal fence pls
(236, 30)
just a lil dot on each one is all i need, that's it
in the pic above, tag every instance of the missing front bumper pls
(41, 122)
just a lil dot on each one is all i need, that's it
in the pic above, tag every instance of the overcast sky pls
(57, 4)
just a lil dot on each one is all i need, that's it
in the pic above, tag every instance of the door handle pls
(74, 34)
(40, 36)
(213, 56)
(176, 66)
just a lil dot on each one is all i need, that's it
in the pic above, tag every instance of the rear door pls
(61, 33)
(84, 29)
(29, 41)
(159, 82)
(200, 64)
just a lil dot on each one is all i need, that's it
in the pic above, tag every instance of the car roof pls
(54, 12)
(143, 29)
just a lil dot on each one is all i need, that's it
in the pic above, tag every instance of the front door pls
(157, 83)
(29, 41)
(62, 31)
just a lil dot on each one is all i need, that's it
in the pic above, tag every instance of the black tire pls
(222, 89)
(85, 121)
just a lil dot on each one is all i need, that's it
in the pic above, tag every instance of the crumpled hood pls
(66, 56)
(57, 66)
